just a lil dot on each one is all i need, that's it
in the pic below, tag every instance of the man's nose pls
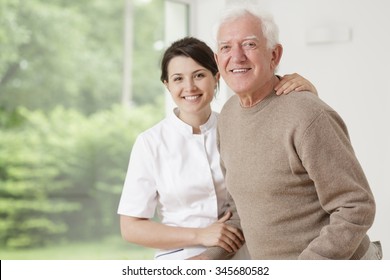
(238, 54)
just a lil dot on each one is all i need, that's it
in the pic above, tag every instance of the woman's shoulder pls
(156, 129)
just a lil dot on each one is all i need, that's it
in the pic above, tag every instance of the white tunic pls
(178, 173)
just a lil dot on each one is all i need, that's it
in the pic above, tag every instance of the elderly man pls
(298, 187)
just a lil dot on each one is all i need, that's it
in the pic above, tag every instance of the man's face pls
(244, 61)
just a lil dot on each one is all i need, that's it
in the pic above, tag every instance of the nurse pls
(174, 168)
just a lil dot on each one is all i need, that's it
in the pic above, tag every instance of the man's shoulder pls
(304, 107)
(304, 101)
(301, 96)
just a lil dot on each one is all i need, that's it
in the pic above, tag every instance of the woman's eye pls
(199, 75)
(176, 79)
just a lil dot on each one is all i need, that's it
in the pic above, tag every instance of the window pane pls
(176, 21)
(176, 27)
(65, 138)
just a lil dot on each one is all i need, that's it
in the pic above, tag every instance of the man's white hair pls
(268, 26)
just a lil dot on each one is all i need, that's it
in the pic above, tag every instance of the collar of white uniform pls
(186, 128)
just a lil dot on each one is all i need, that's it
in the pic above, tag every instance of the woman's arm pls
(294, 82)
(216, 253)
(152, 234)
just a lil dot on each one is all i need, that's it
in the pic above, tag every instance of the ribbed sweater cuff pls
(362, 249)
(217, 253)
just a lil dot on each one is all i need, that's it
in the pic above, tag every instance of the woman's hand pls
(221, 234)
(294, 82)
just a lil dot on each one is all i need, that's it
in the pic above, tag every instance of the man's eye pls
(249, 45)
(224, 48)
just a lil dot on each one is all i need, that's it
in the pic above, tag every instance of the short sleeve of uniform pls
(139, 194)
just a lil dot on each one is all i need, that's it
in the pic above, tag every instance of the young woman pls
(174, 166)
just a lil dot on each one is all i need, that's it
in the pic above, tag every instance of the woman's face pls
(191, 85)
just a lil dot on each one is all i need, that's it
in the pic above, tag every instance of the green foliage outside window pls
(70, 53)
(64, 138)
(61, 173)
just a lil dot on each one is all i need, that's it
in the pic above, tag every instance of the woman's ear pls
(217, 77)
(166, 84)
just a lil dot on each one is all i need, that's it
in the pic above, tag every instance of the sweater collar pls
(261, 105)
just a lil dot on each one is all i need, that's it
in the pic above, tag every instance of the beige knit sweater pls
(298, 187)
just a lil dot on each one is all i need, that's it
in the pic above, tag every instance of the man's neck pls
(251, 99)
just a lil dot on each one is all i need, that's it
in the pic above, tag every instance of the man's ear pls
(216, 58)
(276, 55)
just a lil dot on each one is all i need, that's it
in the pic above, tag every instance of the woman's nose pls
(190, 85)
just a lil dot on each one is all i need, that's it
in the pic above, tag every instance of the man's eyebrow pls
(252, 37)
(222, 42)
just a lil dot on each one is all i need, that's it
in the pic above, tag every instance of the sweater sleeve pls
(341, 185)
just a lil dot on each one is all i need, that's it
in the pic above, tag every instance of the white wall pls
(349, 69)
(206, 12)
